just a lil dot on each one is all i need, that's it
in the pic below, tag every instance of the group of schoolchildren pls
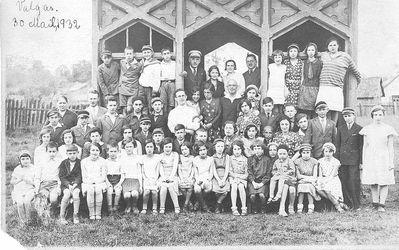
(127, 150)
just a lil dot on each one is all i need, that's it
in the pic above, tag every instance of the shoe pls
(344, 206)
(144, 211)
(375, 205)
(177, 210)
(98, 217)
(263, 211)
(162, 210)
(196, 206)
(154, 212)
(299, 208)
(206, 209)
(75, 219)
(310, 209)
(63, 221)
(291, 210)
(269, 200)
(187, 209)
(235, 211)
(254, 211)
(218, 209)
(339, 208)
(243, 211)
(92, 217)
(381, 209)
(275, 199)
(136, 210)
(283, 213)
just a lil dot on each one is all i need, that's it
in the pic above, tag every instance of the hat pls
(145, 119)
(106, 53)
(305, 146)
(157, 131)
(147, 47)
(194, 53)
(71, 147)
(52, 113)
(156, 99)
(330, 146)
(321, 104)
(83, 114)
(293, 45)
(24, 153)
(252, 87)
(348, 110)
(137, 98)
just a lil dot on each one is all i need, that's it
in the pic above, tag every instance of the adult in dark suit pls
(111, 123)
(95, 110)
(158, 118)
(68, 117)
(349, 144)
(193, 74)
(252, 75)
(320, 130)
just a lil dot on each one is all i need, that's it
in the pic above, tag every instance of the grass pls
(365, 227)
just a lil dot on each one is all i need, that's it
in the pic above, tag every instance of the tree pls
(81, 72)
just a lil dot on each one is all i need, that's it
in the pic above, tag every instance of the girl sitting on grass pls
(68, 138)
(238, 175)
(186, 174)
(220, 183)
(40, 152)
(114, 178)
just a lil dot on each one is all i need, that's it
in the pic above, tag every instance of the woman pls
(293, 75)
(335, 65)
(214, 75)
(287, 137)
(246, 117)
(378, 154)
(211, 111)
(68, 118)
(232, 74)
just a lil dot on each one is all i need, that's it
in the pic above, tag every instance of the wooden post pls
(95, 31)
(264, 49)
(179, 42)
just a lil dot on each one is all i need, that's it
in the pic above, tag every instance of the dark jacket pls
(160, 122)
(253, 78)
(70, 119)
(192, 80)
(317, 137)
(349, 144)
(68, 177)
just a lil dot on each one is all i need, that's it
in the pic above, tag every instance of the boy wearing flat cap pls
(144, 132)
(133, 118)
(56, 127)
(108, 77)
(349, 144)
(193, 74)
(320, 130)
(158, 118)
(81, 130)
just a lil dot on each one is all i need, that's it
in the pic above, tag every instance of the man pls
(349, 144)
(108, 77)
(252, 75)
(111, 123)
(193, 74)
(230, 102)
(95, 110)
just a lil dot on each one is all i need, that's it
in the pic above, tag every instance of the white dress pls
(277, 83)
(325, 183)
(376, 155)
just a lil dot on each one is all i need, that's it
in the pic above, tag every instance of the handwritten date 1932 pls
(52, 23)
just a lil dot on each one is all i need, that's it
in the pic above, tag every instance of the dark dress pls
(260, 171)
(211, 112)
(310, 84)
(68, 176)
(220, 166)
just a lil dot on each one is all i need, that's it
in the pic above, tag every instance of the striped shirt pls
(334, 69)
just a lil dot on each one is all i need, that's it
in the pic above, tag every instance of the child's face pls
(127, 133)
(145, 127)
(52, 152)
(278, 59)
(328, 153)
(68, 138)
(258, 150)
(230, 67)
(333, 46)
(268, 132)
(129, 54)
(290, 111)
(157, 107)
(93, 99)
(219, 147)
(311, 51)
(167, 148)
(95, 137)
(251, 94)
(202, 151)
(147, 54)
(25, 161)
(54, 120)
(149, 148)
(303, 123)
(229, 129)
(378, 115)
(293, 53)
(245, 108)
(285, 126)
(111, 106)
(185, 150)
(268, 107)
(202, 136)
(252, 133)
(106, 59)
(72, 155)
(282, 154)
(129, 148)
(158, 138)
(273, 151)
(94, 152)
(306, 154)
(83, 120)
(62, 104)
(196, 96)
(349, 118)
(214, 74)
(113, 153)
(137, 106)
(46, 138)
(194, 61)
(321, 112)
(180, 134)
(207, 94)
(166, 55)
(237, 151)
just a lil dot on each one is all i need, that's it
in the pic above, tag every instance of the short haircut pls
(267, 100)
(72, 148)
(113, 145)
(188, 145)
(63, 97)
(94, 130)
(129, 48)
(283, 146)
(212, 68)
(288, 104)
(43, 132)
(209, 86)
(299, 116)
(195, 89)
(311, 45)
(148, 141)
(52, 144)
(230, 60)
(251, 55)
(165, 141)
(129, 140)
(277, 52)
(179, 90)
(248, 102)
(96, 144)
(198, 145)
(93, 91)
(127, 126)
(111, 99)
(165, 49)
(332, 39)
(179, 127)
(201, 130)
(259, 143)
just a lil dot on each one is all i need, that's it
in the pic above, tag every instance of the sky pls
(378, 51)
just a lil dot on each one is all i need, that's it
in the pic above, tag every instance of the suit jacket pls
(253, 78)
(111, 131)
(94, 118)
(68, 177)
(349, 144)
(160, 122)
(82, 136)
(70, 119)
(271, 121)
(317, 137)
(192, 80)
(142, 138)
(219, 91)
(55, 134)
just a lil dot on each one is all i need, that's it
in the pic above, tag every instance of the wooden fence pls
(365, 109)
(23, 113)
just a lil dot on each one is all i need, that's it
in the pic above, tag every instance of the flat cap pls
(348, 110)
(52, 113)
(194, 53)
(157, 131)
(106, 53)
(305, 146)
(321, 104)
(83, 113)
(147, 47)
(145, 119)
(156, 99)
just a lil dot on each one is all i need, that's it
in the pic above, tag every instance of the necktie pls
(349, 126)
(195, 71)
(323, 124)
(268, 116)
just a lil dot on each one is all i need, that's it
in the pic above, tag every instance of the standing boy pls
(55, 126)
(111, 123)
(81, 130)
(168, 80)
(159, 118)
(349, 144)
(144, 132)
(108, 77)
(267, 116)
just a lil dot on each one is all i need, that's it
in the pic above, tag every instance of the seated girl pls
(68, 138)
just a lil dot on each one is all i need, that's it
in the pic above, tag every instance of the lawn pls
(363, 227)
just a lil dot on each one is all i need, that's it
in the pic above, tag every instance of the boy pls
(70, 175)
(55, 126)
(144, 133)
(168, 79)
(157, 137)
(320, 130)
(129, 86)
(268, 117)
(180, 137)
(290, 111)
(150, 78)
(111, 123)
(202, 135)
(107, 77)
(95, 111)
(349, 145)
(81, 130)
(95, 135)
(114, 180)
(158, 117)
(133, 118)
(267, 132)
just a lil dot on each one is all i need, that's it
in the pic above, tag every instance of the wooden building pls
(370, 91)
(257, 25)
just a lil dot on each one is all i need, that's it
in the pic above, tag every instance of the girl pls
(246, 117)
(114, 177)
(132, 184)
(203, 165)
(272, 150)
(150, 164)
(68, 138)
(196, 96)
(214, 76)
(287, 137)
(94, 175)
(293, 75)
(127, 132)
(238, 175)
(40, 151)
(328, 184)
(22, 179)
(220, 183)
(211, 112)
(252, 94)
(230, 135)
(186, 174)
(250, 135)
(168, 176)
(378, 155)
(277, 90)
(231, 73)
(310, 84)
(302, 123)
(306, 168)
